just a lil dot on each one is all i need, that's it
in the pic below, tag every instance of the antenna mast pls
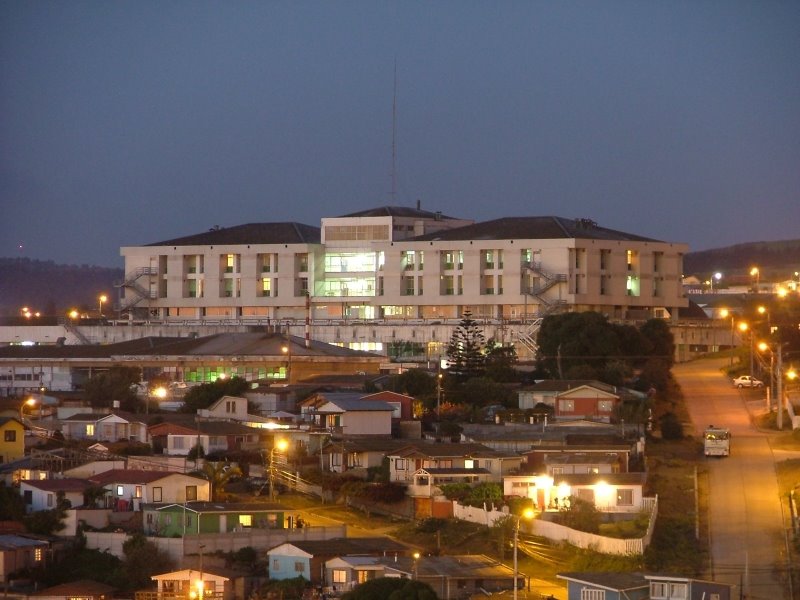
(393, 193)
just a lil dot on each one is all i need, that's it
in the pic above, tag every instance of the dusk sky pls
(131, 122)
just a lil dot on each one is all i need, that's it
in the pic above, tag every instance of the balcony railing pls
(185, 595)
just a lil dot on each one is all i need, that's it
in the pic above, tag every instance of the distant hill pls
(776, 261)
(53, 289)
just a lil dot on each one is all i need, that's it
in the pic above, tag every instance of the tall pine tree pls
(465, 352)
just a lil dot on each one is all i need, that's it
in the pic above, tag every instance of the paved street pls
(747, 541)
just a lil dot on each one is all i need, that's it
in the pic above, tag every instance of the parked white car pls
(748, 381)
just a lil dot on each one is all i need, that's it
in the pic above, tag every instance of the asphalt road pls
(747, 538)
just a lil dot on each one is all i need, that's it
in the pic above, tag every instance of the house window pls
(624, 497)
(191, 493)
(120, 490)
(137, 491)
(38, 554)
(590, 594)
(362, 576)
(658, 590)
(605, 406)
(276, 564)
(49, 500)
(246, 520)
(567, 406)
(677, 591)
(558, 470)
(299, 567)
(10, 435)
(157, 491)
(90, 430)
(28, 496)
(188, 520)
(469, 464)
(177, 442)
(339, 576)
(401, 464)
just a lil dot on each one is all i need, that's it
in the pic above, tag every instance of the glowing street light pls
(73, 314)
(280, 446)
(754, 272)
(102, 298)
(528, 514)
(29, 402)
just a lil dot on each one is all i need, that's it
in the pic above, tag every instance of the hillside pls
(52, 289)
(776, 260)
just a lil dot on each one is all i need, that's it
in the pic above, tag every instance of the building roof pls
(437, 450)
(354, 405)
(340, 546)
(68, 484)
(397, 211)
(14, 542)
(221, 344)
(532, 228)
(133, 476)
(608, 580)
(563, 385)
(81, 588)
(222, 507)
(453, 471)
(593, 478)
(580, 458)
(457, 566)
(250, 233)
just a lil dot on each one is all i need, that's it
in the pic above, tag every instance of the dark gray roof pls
(397, 211)
(250, 233)
(339, 546)
(221, 344)
(562, 385)
(608, 580)
(356, 404)
(454, 471)
(222, 507)
(532, 228)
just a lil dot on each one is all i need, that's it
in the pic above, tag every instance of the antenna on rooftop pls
(393, 193)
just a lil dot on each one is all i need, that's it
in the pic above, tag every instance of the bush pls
(671, 427)
(431, 525)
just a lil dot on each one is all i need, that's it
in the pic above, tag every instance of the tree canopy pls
(205, 395)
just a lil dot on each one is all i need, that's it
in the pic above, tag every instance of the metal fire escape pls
(140, 293)
(526, 335)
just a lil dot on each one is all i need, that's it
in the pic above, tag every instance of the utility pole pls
(780, 386)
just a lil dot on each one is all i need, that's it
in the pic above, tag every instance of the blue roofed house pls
(348, 414)
(641, 586)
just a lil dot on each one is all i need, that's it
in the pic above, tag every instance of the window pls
(89, 430)
(38, 554)
(590, 594)
(339, 576)
(401, 464)
(605, 256)
(470, 464)
(246, 520)
(567, 405)
(191, 493)
(10, 435)
(177, 442)
(624, 497)
(120, 490)
(299, 567)
(137, 492)
(28, 496)
(49, 500)
(276, 564)
(677, 591)
(188, 520)
(605, 406)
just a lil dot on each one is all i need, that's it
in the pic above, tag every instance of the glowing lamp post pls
(29, 402)
(527, 514)
(280, 446)
(102, 298)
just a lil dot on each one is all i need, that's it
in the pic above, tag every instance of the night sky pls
(130, 122)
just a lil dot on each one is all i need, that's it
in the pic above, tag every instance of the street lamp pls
(725, 313)
(528, 514)
(281, 446)
(754, 272)
(286, 349)
(102, 298)
(744, 327)
(30, 402)
(416, 565)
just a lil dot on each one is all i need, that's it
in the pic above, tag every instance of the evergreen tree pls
(465, 352)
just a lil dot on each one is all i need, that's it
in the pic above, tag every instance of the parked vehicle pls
(748, 381)
(717, 441)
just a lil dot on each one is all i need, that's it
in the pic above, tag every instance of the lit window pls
(38, 554)
(624, 497)
(90, 430)
(137, 493)
(246, 520)
(120, 490)
(339, 576)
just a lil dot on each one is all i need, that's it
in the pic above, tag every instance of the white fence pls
(177, 548)
(556, 532)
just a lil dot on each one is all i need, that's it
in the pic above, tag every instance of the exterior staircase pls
(131, 282)
(526, 335)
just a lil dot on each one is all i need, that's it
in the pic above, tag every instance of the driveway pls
(746, 529)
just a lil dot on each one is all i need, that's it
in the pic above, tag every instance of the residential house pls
(407, 461)
(457, 576)
(178, 439)
(230, 408)
(307, 558)
(43, 494)
(606, 586)
(573, 399)
(18, 553)
(348, 414)
(641, 586)
(12, 439)
(83, 589)
(179, 519)
(129, 489)
(115, 427)
(356, 455)
(217, 584)
(403, 405)
(586, 446)
(609, 492)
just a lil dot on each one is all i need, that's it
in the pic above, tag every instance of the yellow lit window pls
(246, 520)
